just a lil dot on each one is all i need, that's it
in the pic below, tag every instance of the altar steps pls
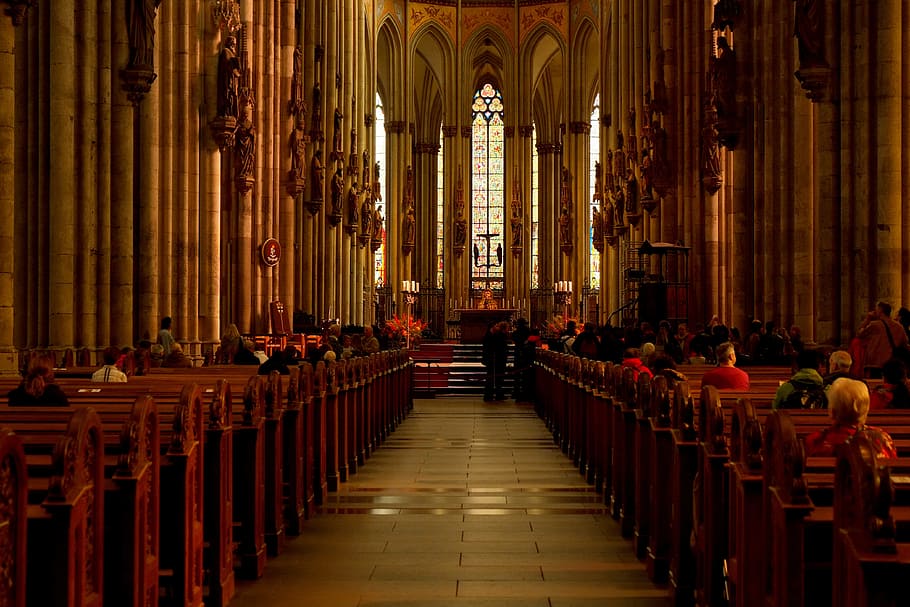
(451, 370)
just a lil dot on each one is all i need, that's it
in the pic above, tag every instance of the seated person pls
(176, 359)
(848, 404)
(839, 364)
(893, 392)
(291, 356)
(231, 344)
(245, 355)
(109, 373)
(632, 358)
(276, 362)
(38, 387)
(369, 344)
(347, 346)
(726, 376)
(805, 389)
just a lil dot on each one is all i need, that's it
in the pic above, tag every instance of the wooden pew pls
(132, 490)
(65, 513)
(13, 518)
(870, 567)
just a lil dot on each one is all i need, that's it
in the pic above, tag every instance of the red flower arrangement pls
(398, 329)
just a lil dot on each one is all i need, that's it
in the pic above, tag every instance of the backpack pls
(805, 395)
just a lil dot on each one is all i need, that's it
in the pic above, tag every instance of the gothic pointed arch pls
(542, 62)
(487, 58)
(432, 61)
(586, 62)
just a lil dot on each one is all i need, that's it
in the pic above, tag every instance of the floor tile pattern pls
(467, 504)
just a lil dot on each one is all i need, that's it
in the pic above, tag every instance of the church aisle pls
(466, 504)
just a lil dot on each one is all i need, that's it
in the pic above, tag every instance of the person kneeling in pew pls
(848, 405)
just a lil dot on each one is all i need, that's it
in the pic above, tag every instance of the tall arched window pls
(594, 157)
(535, 210)
(440, 212)
(379, 271)
(487, 188)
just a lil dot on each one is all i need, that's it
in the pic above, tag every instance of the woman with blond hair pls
(38, 387)
(848, 405)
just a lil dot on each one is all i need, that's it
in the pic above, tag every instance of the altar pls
(474, 322)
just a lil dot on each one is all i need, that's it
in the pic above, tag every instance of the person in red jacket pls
(726, 376)
(632, 358)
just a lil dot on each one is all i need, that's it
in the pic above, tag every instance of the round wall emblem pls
(271, 252)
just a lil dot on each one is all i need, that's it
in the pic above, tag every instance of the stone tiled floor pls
(467, 504)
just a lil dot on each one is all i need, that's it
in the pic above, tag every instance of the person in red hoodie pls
(632, 358)
(726, 376)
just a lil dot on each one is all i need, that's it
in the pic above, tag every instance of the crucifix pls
(489, 263)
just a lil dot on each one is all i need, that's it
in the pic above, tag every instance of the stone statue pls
(632, 192)
(297, 146)
(564, 227)
(608, 216)
(410, 228)
(808, 31)
(298, 103)
(517, 235)
(377, 186)
(365, 176)
(366, 217)
(376, 240)
(318, 176)
(353, 158)
(710, 153)
(337, 147)
(337, 189)
(597, 228)
(245, 145)
(353, 206)
(564, 189)
(461, 233)
(646, 179)
(140, 15)
(228, 79)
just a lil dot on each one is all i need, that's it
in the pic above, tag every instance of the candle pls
(416, 287)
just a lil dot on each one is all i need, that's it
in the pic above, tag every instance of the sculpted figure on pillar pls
(365, 176)
(337, 192)
(710, 172)
(410, 230)
(228, 78)
(337, 144)
(460, 236)
(565, 236)
(366, 220)
(597, 230)
(140, 15)
(809, 34)
(376, 238)
(377, 186)
(245, 149)
(353, 208)
(297, 147)
(317, 173)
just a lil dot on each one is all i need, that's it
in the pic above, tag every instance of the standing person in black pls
(495, 350)
(523, 358)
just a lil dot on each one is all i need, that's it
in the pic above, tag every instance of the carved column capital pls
(18, 9)
(510, 131)
(449, 130)
(466, 132)
(526, 130)
(579, 127)
(427, 148)
(137, 81)
(395, 126)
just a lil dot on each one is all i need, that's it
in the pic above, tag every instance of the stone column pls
(8, 221)
(885, 124)
(291, 105)
(210, 260)
(61, 179)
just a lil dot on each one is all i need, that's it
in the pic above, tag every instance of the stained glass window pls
(535, 210)
(379, 269)
(440, 212)
(487, 189)
(594, 153)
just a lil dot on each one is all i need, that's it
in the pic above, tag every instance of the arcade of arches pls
(201, 159)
